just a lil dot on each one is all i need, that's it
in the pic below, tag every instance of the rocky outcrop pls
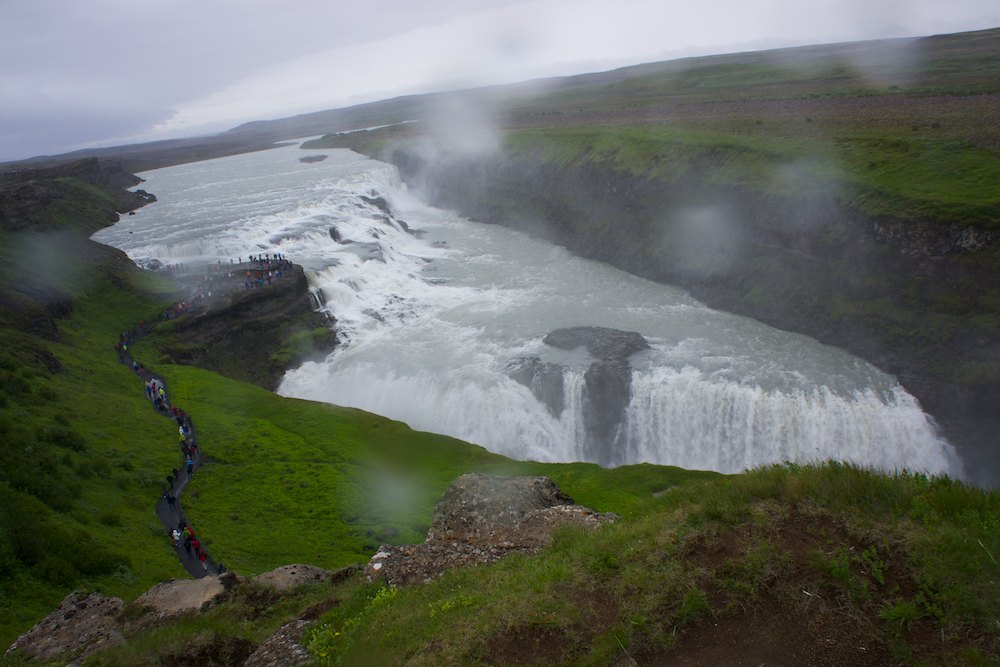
(312, 158)
(287, 577)
(543, 378)
(182, 596)
(255, 335)
(83, 624)
(481, 519)
(283, 648)
(608, 382)
(86, 623)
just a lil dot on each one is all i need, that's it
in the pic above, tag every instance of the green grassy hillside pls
(784, 565)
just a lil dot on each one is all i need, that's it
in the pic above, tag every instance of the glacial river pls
(440, 316)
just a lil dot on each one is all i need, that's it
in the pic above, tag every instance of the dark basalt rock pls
(545, 381)
(312, 158)
(378, 202)
(608, 383)
(601, 342)
(238, 333)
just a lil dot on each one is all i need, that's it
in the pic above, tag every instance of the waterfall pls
(444, 321)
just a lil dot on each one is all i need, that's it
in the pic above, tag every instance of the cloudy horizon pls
(77, 75)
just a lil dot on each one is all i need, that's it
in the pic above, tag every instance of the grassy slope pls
(793, 565)
(906, 557)
(78, 507)
(291, 480)
(907, 176)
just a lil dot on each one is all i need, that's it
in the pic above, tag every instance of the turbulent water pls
(442, 322)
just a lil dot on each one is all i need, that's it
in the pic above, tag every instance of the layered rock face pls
(239, 333)
(481, 519)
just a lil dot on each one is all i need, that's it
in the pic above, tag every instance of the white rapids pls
(432, 322)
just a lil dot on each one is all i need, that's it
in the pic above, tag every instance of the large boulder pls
(481, 519)
(83, 623)
(181, 596)
(489, 510)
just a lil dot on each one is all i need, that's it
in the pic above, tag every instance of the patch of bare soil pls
(529, 644)
(800, 618)
(773, 635)
(211, 652)
(542, 644)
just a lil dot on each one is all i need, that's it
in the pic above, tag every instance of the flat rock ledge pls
(481, 519)
(287, 577)
(83, 624)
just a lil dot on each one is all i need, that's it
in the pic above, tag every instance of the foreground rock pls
(83, 623)
(181, 596)
(481, 519)
(283, 648)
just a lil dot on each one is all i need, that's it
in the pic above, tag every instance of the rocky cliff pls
(253, 335)
(918, 298)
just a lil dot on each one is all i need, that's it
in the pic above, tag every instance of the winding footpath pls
(172, 515)
(258, 273)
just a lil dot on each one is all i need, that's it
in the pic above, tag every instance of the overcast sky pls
(80, 73)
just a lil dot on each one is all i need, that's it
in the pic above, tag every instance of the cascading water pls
(485, 334)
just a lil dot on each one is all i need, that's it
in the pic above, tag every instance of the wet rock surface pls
(601, 342)
(481, 519)
(544, 379)
(83, 623)
(240, 330)
(608, 382)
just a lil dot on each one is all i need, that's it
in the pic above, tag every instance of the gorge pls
(474, 331)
